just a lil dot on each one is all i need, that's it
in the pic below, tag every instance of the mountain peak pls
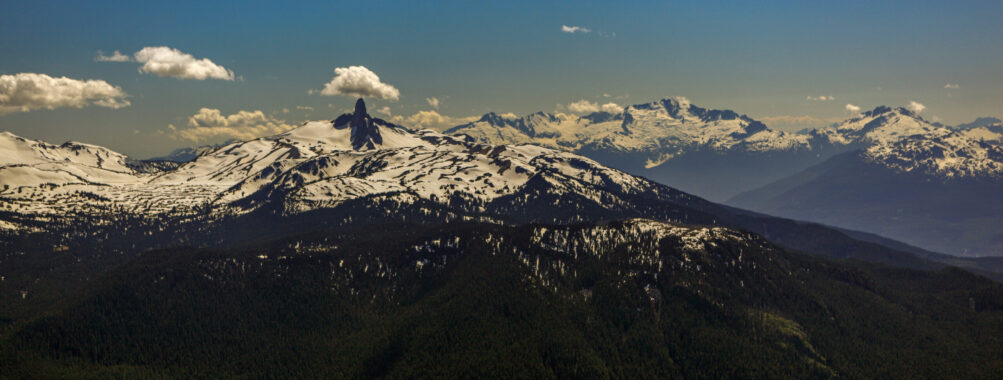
(878, 111)
(365, 131)
(360, 107)
(882, 110)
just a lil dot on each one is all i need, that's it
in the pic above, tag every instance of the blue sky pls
(762, 58)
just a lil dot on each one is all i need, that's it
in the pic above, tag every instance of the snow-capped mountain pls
(30, 163)
(659, 130)
(928, 185)
(719, 153)
(318, 165)
(881, 125)
(374, 221)
(984, 121)
(713, 153)
(903, 141)
(354, 167)
(182, 155)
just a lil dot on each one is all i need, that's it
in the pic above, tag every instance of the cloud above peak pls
(25, 92)
(210, 123)
(852, 108)
(915, 107)
(359, 82)
(586, 107)
(431, 119)
(164, 61)
(575, 29)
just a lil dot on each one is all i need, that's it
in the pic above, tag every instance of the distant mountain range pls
(182, 155)
(714, 153)
(722, 155)
(935, 187)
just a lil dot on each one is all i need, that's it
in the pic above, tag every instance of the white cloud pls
(385, 110)
(433, 101)
(583, 106)
(163, 61)
(114, 57)
(574, 29)
(612, 108)
(852, 108)
(432, 120)
(304, 108)
(210, 123)
(952, 86)
(25, 92)
(358, 81)
(822, 98)
(915, 107)
(586, 107)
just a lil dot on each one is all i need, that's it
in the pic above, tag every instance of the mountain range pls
(725, 156)
(354, 159)
(360, 248)
(714, 153)
(934, 187)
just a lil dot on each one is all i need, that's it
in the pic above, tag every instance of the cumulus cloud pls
(432, 120)
(359, 82)
(915, 107)
(852, 108)
(433, 101)
(25, 92)
(210, 123)
(163, 61)
(612, 108)
(952, 86)
(583, 106)
(385, 111)
(114, 57)
(574, 29)
(822, 98)
(586, 107)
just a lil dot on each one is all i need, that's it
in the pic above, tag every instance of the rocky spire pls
(365, 132)
(360, 108)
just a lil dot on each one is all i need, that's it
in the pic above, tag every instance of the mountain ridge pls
(319, 165)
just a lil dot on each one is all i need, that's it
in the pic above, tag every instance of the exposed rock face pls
(365, 134)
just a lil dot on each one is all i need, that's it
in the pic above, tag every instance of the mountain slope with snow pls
(713, 153)
(658, 129)
(719, 153)
(318, 165)
(927, 185)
